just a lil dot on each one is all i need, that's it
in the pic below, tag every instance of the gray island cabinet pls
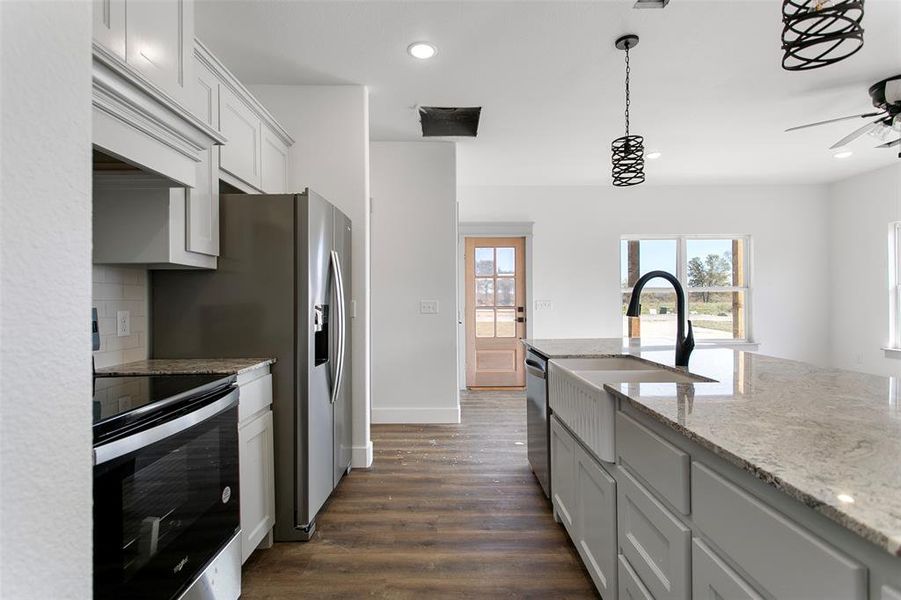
(674, 517)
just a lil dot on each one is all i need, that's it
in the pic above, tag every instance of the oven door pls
(166, 500)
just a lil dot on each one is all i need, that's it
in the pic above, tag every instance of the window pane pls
(506, 323)
(717, 315)
(658, 315)
(638, 257)
(484, 323)
(715, 263)
(506, 291)
(484, 292)
(506, 261)
(484, 261)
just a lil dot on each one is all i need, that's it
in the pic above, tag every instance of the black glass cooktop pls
(121, 402)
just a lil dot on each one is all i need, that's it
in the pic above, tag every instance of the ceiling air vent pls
(650, 4)
(442, 121)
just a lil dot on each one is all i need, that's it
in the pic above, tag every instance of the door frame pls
(498, 229)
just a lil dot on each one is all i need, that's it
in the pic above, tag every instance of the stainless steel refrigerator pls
(282, 289)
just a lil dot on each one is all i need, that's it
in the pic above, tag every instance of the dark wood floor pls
(447, 511)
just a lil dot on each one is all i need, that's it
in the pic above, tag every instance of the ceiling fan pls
(886, 96)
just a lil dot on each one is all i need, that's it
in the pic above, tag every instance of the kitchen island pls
(816, 447)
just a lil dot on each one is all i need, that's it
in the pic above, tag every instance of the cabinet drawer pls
(254, 396)
(596, 521)
(712, 579)
(630, 586)
(563, 476)
(759, 539)
(654, 541)
(663, 466)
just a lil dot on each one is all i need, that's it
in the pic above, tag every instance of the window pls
(712, 269)
(895, 284)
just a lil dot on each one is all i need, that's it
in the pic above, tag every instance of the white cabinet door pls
(257, 474)
(275, 163)
(159, 38)
(203, 199)
(240, 156)
(596, 521)
(563, 476)
(109, 25)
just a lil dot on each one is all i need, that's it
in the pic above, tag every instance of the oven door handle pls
(535, 369)
(142, 439)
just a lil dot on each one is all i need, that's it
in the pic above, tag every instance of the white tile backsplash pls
(118, 288)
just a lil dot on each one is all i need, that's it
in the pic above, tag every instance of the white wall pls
(861, 209)
(116, 288)
(331, 156)
(45, 300)
(414, 237)
(576, 252)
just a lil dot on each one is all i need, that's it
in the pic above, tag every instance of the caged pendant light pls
(817, 33)
(628, 151)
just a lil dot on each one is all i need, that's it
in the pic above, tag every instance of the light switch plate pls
(123, 323)
(428, 307)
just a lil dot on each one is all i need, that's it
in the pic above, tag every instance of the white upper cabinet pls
(158, 38)
(109, 25)
(254, 158)
(243, 128)
(203, 198)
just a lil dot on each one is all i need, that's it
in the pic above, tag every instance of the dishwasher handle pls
(535, 368)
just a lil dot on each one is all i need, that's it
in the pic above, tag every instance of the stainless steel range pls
(166, 496)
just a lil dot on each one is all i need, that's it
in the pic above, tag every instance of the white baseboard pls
(361, 456)
(418, 416)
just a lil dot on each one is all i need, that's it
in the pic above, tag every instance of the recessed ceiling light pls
(653, 155)
(843, 154)
(422, 50)
(846, 498)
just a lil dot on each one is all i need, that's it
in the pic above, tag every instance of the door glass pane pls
(484, 261)
(484, 323)
(717, 315)
(715, 263)
(506, 323)
(506, 261)
(485, 291)
(638, 257)
(506, 291)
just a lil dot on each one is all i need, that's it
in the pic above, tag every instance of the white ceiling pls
(707, 86)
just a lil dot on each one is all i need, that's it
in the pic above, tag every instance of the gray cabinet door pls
(712, 579)
(630, 586)
(654, 541)
(596, 521)
(563, 477)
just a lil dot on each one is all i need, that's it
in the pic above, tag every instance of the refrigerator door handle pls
(341, 322)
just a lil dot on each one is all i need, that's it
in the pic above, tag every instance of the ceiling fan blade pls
(855, 134)
(890, 144)
(818, 123)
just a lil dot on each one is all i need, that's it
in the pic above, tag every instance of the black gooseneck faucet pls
(684, 343)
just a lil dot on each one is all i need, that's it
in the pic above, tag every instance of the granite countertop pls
(187, 366)
(829, 438)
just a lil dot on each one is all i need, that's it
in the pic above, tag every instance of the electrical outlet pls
(543, 305)
(123, 323)
(428, 307)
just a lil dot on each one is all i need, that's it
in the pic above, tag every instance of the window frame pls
(682, 272)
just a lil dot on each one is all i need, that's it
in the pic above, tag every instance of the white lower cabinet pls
(563, 473)
(630, 586)
(656, 543)
(256, 465)
(712, 579)
(596, 521)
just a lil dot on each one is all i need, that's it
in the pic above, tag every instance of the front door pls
(495, 311)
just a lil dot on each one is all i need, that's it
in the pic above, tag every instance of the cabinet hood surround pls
(138, 122)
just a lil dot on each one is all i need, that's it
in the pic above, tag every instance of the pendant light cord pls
(628, 70)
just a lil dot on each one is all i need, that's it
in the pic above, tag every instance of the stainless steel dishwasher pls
(538, 415)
